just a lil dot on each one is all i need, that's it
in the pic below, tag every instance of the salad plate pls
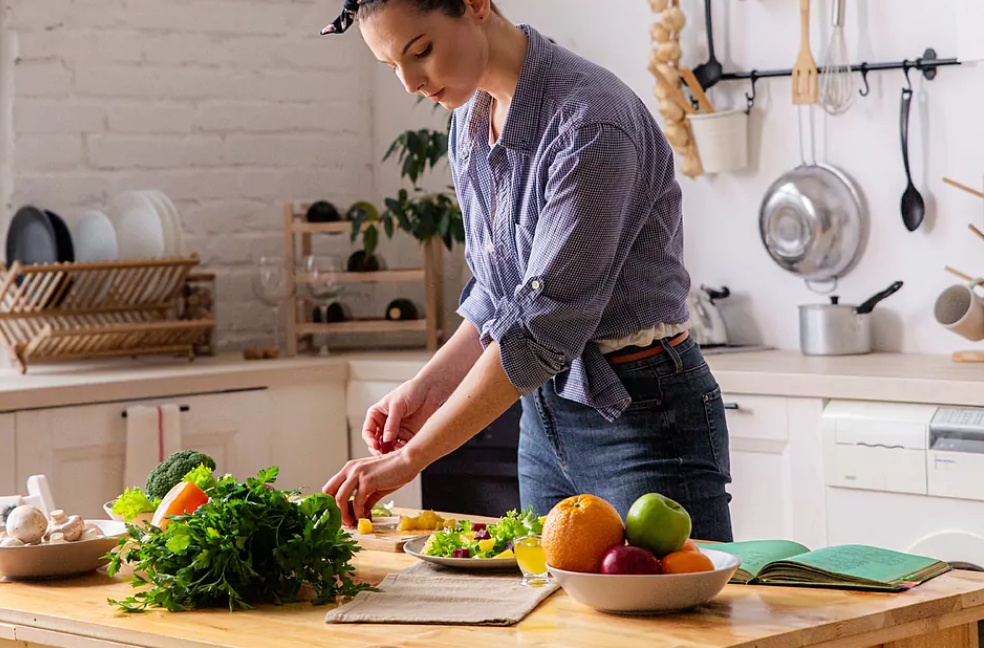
(415, 548)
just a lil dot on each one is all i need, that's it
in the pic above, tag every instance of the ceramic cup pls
(961, 310)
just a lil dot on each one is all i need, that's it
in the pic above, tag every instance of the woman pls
(578, 303)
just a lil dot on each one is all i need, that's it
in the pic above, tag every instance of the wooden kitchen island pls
(942, 613)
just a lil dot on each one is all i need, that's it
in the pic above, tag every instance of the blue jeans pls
(673, 440)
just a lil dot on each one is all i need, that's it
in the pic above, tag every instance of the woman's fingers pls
(392, 427)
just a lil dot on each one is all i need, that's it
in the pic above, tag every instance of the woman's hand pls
(394, 420)
(370, 480)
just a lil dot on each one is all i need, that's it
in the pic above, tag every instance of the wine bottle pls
(335, 312)
(400, 310)
(322, 211)
(359, 261)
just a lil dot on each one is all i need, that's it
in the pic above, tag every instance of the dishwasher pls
(907, 477)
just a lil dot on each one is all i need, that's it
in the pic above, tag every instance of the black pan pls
(31, 238)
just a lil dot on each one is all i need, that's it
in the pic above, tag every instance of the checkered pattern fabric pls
(573, 224)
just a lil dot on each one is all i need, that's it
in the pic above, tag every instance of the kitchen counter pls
(879, 376)
(942, 613)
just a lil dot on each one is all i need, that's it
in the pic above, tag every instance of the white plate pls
(94, 237)
(139, 229)
(414, 547)
(63, 559)
(174, 218)
(648, 594)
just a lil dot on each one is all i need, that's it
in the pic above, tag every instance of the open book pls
(783, 562)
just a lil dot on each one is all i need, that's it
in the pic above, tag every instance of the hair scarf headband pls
(345, 19)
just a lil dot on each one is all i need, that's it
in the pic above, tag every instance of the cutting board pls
(386, 540)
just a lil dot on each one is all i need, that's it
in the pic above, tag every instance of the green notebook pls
(783, 562)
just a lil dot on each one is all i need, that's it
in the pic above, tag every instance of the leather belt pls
(622, 356)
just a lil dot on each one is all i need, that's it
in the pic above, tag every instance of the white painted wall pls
(946, 133)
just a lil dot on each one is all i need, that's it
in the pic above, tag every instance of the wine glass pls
(322, 281)
(270, 287)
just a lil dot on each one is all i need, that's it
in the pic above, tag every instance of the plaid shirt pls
(573, 226)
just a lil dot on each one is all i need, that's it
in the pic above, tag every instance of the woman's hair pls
(364, 9)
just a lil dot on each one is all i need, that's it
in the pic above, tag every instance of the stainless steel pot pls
(839, 329)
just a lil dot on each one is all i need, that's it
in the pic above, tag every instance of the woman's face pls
(433, 55)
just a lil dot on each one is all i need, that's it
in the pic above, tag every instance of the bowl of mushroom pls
(33, 546)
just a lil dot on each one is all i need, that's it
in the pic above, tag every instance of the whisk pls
(836, 86)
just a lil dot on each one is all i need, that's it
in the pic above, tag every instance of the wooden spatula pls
(805, 70)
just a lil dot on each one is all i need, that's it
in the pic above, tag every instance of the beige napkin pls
(429, 594)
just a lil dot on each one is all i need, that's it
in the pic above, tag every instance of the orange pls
(686, 562)
(579, 530)
(690, 545)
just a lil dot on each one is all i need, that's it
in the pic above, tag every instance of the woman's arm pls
(452, 362)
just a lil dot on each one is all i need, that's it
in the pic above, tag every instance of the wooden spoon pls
(805, 77)
(694, 85)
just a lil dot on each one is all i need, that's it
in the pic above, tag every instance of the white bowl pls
(648, 594)
(143, 517)
(63, 559)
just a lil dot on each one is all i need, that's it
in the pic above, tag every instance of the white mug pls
(961, 310)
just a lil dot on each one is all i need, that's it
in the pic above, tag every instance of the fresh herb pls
(249, 544)
(132, 503)
(465, 535)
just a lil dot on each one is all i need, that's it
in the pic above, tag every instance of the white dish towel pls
(152, 435)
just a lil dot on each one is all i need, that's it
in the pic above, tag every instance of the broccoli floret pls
(173, 469)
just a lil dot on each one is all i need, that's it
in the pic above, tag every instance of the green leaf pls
(370, 239)
(388, 226)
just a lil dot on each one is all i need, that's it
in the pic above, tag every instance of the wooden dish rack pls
(77, 311)
(299, 322)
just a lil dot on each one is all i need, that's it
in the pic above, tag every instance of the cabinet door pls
(82, 449)
(8, 474)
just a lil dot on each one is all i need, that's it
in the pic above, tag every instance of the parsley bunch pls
(248, 544)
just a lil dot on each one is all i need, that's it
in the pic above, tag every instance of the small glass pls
(532, 560)
(270, 287)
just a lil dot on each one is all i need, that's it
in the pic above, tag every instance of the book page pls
(756, 554)
(860, 561)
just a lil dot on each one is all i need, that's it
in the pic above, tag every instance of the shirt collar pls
(522, 123)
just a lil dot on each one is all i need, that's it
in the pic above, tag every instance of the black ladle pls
(709, 73)
(913, 206)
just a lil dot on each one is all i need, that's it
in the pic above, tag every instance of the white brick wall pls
(230, 107)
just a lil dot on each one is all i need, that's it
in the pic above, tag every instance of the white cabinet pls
(8, 476)
(776, 471)
(360, 397)
(82, 448)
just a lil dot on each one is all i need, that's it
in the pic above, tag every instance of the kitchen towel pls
(430, 594)
(152, 435)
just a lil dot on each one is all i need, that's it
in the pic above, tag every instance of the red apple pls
(623, 559)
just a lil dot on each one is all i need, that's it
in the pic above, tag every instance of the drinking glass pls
(322, 281)
(532, 560)
(270, 287)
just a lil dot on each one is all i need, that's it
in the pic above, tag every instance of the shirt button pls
(535, 285)
(490, 247)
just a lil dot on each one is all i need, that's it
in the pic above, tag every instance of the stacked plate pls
(136, 225)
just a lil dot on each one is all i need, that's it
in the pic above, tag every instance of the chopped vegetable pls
(248, 544)
(201, 476)
(134, 502)
(173, 469)
(184, 498)
(365, 526)
(382, 510)
(481, 540)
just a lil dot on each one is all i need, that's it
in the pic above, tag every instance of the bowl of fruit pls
(646, 565)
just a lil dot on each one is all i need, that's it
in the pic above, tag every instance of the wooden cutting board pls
(386, 540)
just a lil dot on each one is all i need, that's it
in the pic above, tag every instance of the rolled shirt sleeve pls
(595, 208)
(475, 304)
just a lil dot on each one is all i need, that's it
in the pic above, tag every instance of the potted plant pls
(421, 214)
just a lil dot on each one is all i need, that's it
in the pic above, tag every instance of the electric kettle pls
(706, 324)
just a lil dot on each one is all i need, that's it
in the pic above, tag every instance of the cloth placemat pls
(431, 594)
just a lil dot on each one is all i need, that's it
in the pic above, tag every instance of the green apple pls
(657, 523)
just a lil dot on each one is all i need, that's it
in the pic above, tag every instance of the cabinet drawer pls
(756, 417)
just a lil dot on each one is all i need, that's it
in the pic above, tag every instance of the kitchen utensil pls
(836, 82)
(839, 329)
(722, 139)
(812, 220)
(415, 547)
(648, 593)
(696, 89)
(710, 72)
(960, 309)
(913, 206)
(804, 75)
(31, 238)
(706, 324)
(979, 194)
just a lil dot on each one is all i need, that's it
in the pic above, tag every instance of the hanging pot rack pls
(927, 64)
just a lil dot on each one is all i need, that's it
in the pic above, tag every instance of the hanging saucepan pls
(813, 224)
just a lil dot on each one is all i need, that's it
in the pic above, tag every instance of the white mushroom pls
(11, 542)
(71, 527)
(27, 524)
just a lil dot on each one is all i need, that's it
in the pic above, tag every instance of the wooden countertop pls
(944, 611)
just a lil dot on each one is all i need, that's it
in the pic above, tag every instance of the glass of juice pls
(531, 560)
